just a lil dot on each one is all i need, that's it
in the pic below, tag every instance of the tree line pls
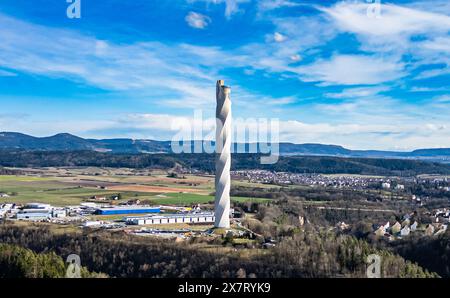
(206, 162)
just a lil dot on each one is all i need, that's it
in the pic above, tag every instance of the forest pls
(307, 253)
(19, 262)
(205, 162)
(432, 252)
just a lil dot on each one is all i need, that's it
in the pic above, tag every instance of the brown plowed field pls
(147, 188)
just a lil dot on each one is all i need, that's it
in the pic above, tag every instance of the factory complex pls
(93, 215)
(203, 217)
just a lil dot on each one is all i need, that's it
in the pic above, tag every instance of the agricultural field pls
(23, 189)
(62, 187)
(188, 198)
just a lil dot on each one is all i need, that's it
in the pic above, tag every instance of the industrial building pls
(38, 211)
(207, 217)
(35, 211)
(127, 210)
(39, 206)
(34, 214)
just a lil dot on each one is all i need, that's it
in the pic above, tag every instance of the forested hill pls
(205, 162)
(68, 142)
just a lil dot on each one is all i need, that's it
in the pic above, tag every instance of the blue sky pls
(331, 71)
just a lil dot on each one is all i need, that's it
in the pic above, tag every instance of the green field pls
(188, 199)
(23, 189)
(58, 192)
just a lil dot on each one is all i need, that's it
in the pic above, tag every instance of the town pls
(337, 181)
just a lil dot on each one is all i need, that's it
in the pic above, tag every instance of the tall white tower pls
(223, 155)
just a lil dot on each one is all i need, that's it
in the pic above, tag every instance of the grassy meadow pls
(77, 186)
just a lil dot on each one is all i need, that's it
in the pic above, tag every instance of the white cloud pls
(442, 98)
(197, 20)
(296, 58)
(267, 5)
(281, 101)
(358, 92)
(395, 22)
(416, 30)
(428, 89)
(440, 44)
(433, 73)
(381, 122)
(278, 37)
(351, 70)
(163, 122)
(231, 6)
(384, 43)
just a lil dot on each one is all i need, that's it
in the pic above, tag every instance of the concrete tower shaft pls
(223, 156)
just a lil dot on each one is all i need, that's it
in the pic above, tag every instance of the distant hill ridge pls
(69, 142)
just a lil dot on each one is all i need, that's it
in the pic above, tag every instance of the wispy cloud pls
(433, 73)
(442, 98)
(352, 70)
(428, 89)
(141, 66)
(395, 21)
(417, 31)
(267, 5)
(439, 44)
(358, 92)
(231, 6)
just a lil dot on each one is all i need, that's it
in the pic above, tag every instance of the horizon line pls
(234, 142)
